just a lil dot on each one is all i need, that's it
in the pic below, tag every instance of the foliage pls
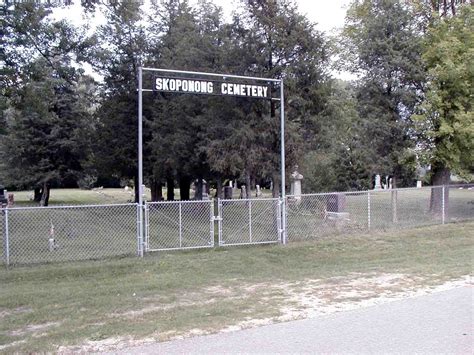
(47, 122)
(446, 119)
(384, 48)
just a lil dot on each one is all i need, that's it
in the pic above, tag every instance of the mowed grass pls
(77, 197)
(100, 196)
(164, 294)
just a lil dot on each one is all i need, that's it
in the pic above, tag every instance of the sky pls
(328, 15)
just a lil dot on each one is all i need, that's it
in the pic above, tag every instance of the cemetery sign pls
(193, 86)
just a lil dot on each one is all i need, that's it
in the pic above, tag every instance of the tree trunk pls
(44, 201)
(198, 193)
(219, 187)
(184, 187)
(156, 190)
(170, 189)
(137, 189)
(37, 194)
(276, 186)
(441, 176)
(248, 185)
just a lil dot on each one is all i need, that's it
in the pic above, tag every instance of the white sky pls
(328, 15)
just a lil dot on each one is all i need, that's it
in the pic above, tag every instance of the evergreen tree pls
(120, 50)
(48, 117)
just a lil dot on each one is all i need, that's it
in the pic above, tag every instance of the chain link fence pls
(318, 215)
(249, 221)
(179, 225)
(32, 235)
(51, 234)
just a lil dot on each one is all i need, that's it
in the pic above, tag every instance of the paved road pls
(437, 323)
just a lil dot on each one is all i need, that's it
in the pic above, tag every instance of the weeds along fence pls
(32, 235)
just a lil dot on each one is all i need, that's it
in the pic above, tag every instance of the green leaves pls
(449, 58)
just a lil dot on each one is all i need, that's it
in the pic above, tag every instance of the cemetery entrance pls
(190, 224)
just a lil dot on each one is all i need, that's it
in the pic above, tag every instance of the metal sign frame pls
(209, 75)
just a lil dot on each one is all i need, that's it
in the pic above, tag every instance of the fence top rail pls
(178, 202)
(249, 199)
(69, 206)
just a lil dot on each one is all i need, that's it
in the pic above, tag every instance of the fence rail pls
(32, 235)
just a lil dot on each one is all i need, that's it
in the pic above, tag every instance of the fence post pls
(211, 222)
(250, 220)
(279, 221)
(442, 205)
(180, 225)
(7, 238)
(368, 210)
(219, 221)
(139, 239)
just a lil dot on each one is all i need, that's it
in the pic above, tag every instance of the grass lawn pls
(64, 306)
(98, 196)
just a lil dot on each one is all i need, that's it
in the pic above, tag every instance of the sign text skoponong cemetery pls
(194, 86)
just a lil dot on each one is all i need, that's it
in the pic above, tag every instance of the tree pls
(446, 120)
(383, 45)
(120, 50)
(48, 118)
(281, 43)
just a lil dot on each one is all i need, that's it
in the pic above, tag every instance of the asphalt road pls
(432, 324)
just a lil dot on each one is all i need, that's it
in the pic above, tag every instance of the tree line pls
(409, 108)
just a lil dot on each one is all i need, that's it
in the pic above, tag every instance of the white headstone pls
(258, 192)
(418, 184)
(378, 186)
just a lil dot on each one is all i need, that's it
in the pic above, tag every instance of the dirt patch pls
(9, 345)
(6, 312)
(32, 328)
(108, 344)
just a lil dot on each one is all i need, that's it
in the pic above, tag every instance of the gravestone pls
(378, 186)
(243, 191)
(418, 184)
(228, 192)
(258, 192)
(295, 189)
(336, 203)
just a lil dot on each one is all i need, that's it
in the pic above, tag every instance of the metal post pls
(219, 221)
(279, 229)
(7, 239)
(146, 233)
(442, 205)
(211, 223)
(140, 157)
(368, 210)
(250, 220)
(282, 146)
(180, 225)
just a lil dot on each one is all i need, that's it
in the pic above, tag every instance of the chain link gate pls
(249, 221)
(173, 225)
